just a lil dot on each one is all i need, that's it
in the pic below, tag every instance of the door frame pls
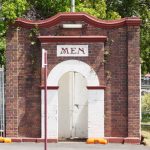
(95, 98)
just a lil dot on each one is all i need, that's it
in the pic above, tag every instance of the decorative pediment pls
(133, 21)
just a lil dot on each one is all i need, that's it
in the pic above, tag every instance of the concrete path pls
(71, 146)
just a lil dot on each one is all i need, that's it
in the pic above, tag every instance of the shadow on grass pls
(146, 133)
(145, 117)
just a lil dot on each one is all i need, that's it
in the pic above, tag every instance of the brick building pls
(93, 78)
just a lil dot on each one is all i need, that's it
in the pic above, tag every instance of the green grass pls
(145, 118)
(146, 133)
(145, 127)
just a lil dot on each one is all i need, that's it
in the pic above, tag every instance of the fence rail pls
(2, 103)
(144, 124)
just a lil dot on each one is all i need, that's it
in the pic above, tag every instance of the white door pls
(72, 106)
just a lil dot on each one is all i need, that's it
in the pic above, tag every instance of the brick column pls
(133, 36)
(11, 92)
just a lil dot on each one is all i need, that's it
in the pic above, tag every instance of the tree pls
(2, 51)
(2, 38)
(11, 9)
(125, 8)
(42, 9)
(145, 36)
(140, 8)
(45, 9)
(146, 103)
(103, 9)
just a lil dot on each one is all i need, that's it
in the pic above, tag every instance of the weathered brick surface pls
(133, 82)
(11, 85)
(23, 103)
(119, 71)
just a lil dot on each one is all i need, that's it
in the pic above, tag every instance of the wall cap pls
(45, 39)
(52, 21)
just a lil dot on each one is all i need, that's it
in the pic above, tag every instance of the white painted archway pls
(95, 99)
(73, 65)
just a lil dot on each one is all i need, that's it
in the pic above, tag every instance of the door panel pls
(80, 107)
(72, 106)
(64, 108)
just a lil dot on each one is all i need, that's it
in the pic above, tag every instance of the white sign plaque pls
(72, 51)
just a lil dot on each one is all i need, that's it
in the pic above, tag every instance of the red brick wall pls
(133, 81)
(119, 71)
(23, 73)
(11, 91)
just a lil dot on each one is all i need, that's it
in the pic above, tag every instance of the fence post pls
(2, 103)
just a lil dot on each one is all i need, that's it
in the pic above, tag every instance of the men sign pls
(72, 50)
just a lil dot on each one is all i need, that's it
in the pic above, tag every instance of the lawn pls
(145, 127)
(145, 124)
(146, 134)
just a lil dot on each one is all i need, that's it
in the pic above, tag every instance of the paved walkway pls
(71, 146)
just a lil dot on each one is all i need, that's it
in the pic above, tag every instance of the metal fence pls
(145, 85)
(145, 81)
(2, 103)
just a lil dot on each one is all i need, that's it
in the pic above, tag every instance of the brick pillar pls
(133, 81)
(11, 92)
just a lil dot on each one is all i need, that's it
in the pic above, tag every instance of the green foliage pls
(145, 37)
(47, 8)
(146, 117)
(146, 103)
(2, 29)
(97, 9)
(125, 8)
(93, 7)
(141, 8)
(2, 40)
(2, 51)
(112, 15)
(34, 32)
(103, 9)
(11, 9)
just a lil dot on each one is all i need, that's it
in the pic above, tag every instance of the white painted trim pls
(95, 99)
(140, 99)
(52, 114)
(72, 65)
(95, 113)
(72, 26)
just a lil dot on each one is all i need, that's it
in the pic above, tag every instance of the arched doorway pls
(72, 106)
(95, 100)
